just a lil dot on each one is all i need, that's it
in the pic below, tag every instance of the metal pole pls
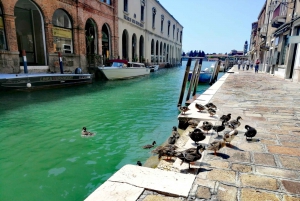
(24, 61)
(60, 63)
(187, 70)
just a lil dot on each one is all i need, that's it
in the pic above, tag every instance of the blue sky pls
(214, 25)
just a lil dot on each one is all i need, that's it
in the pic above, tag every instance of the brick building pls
(76, 28)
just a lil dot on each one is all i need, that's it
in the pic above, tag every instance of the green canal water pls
(44, 157)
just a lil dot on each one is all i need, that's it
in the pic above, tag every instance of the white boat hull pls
(116, 73)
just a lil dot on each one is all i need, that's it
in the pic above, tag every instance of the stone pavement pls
(266, 168)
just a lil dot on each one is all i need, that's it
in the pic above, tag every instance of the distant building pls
(148, 33)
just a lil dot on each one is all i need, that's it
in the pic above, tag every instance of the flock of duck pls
(199, 134)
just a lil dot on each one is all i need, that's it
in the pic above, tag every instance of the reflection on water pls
(44, 157)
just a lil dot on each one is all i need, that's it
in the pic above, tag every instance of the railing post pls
(60, 63)
(24, 61)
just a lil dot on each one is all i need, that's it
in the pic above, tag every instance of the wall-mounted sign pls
(133, 21)
(60, 32)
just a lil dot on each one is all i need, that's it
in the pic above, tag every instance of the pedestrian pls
(244, 63)
(239, 64)
(247, 64)
(251, 64)
(256, 65)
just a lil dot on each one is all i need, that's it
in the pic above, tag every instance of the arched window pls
(2, 33)
(162, 23)
(126, 5)
(173, 31)
(169, 23)
(180, 36)
(153, 17)
(62, 32)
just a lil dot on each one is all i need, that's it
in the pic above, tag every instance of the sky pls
(214, 26)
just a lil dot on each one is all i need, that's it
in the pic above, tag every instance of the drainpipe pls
(290, 49)
(265, 55)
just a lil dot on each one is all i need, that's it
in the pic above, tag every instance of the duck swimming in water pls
(84, 132)
(149, 146)
(251, 132)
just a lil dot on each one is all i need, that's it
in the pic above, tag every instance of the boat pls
(41, 80)
(205, 75)
(153, 68)
(122, 69)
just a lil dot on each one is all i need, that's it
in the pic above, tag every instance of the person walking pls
(247, 64)
(239, 64)
(244, 63)
(257, 65)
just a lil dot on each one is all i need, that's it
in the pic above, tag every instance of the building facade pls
(148, 33)
(279, 50)
(43, 28)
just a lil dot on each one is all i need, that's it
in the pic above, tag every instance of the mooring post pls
(24, 61)
(193, 79)
(60, 63)
(187, 70)
(197, 78)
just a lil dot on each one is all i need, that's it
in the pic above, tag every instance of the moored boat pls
(41, 80)
(205, 75)
(122, 69)
(153, 68)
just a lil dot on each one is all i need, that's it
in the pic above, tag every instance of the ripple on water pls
(56, 171)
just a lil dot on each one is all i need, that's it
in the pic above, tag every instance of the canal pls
(44, 157)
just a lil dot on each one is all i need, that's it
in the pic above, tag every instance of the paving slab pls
(158, 180)
(114, 191)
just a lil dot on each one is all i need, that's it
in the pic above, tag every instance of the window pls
(125, 5)
(2, 33)
(106, 1)
(142, 10)
(177, 34)
(169, 23)
(162, 23)
(173, 31)
(153, 17)
(180, 36)
(62, 32)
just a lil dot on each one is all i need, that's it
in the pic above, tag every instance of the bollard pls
(24, 61)
(60, 63)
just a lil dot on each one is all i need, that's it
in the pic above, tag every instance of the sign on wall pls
(62, 33)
